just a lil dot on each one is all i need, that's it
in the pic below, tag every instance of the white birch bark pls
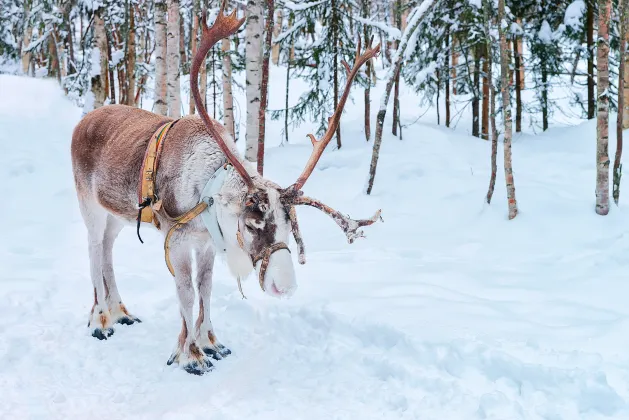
(253, 65)
(228, 99)
(161, 104)
(173, 60)
(602, 125)
(99, 57)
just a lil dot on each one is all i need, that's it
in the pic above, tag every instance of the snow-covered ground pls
(446, 310)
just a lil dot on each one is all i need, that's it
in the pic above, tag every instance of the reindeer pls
(253, 216)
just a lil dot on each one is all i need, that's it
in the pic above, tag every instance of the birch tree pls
(413, 23)
(161, 104)
(228, 98)
(505, 59)
(602, 117)
(173, 60)
(253, 65)
(99, 60)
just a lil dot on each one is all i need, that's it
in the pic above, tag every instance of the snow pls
(545, 33)
(574, 14)
(392, 32)
(447, 310)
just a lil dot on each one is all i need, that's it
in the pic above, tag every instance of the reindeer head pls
(264, 215)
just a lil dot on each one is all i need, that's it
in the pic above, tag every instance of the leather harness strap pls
(179, 223)
(147, 197)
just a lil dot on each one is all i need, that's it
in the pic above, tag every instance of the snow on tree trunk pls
(131, 58)
(161, 104)
(617, 170)
(253, 65)
(414, 20)
(602, 123)
(173, 60)
(99, 61)
(264, 87)
(590, 52)
(228, 98)
(506, 104)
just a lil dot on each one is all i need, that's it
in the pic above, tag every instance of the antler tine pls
(320, 145)
(222, 27)
(350, 227)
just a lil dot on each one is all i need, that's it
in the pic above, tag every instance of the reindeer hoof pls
(102, 333)
(128, 320)
(217, 352)
(199, 367)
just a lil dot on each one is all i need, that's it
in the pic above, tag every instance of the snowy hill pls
(446, 310)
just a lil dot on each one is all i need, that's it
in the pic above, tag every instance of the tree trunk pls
(397, 14)
(602, 124)
(492, 96)
(172, 61)
(365, 10)
(447, 75)
(590, 48)
(544, 94)
(286, 97)
(485, 104)
(131, 58)
(335, 22)
(506, 103)
(53, 57)
(264, 87)
(161, 104)
(617, 171)
(253, 64)
(228, 99)
(396, 104)
(625, 60)
(519, 48)
(518, 85)
(99, 80)
(277, 29)
(203, 82)
(455, 63)
(475, 110)
(182, 48)
(28, 34)
(420, 12)
(193, 49)
(112, 87)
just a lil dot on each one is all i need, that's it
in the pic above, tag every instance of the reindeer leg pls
(187, 354)
(203, 329)
(95, 219)
(117, 309)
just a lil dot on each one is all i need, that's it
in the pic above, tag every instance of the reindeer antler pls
(349, 225)
(223, 27)
(320, 145)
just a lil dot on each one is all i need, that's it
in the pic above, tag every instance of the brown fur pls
(108, 147)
